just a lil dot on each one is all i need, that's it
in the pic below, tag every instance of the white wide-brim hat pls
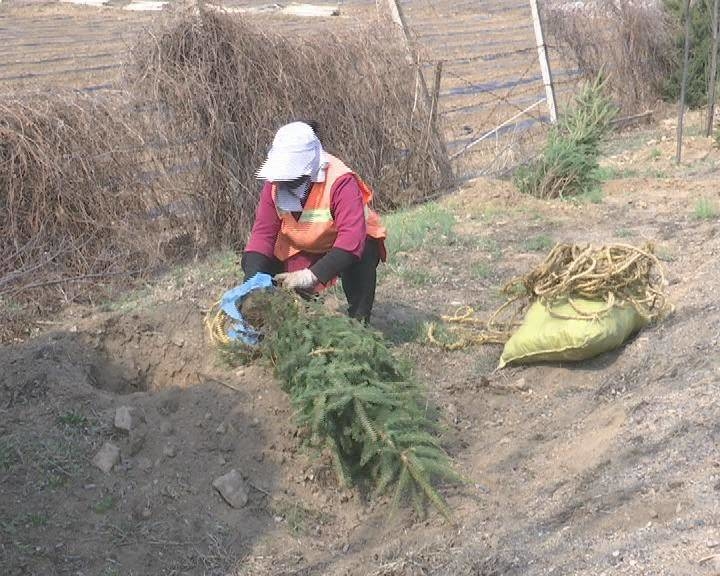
(295, 152)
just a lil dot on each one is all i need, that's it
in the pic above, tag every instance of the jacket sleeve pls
(254, 262)
(266, 227)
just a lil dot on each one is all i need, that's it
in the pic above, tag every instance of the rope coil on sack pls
(617, 274)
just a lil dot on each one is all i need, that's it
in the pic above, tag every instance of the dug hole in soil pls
(155, 511)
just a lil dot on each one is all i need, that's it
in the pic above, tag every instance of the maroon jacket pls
(348, 213)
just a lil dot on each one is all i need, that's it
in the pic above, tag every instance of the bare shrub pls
(630, 40)
(224, 86)
(71, 201)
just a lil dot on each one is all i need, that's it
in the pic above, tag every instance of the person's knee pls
(371, 253)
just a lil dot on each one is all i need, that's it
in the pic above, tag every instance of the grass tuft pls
(104, 505)
(540, 243)
(705, 209)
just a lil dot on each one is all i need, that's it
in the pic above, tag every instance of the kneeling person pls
(314, 222)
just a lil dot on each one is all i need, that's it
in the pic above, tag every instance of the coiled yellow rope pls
(618, 274)
(216, 322)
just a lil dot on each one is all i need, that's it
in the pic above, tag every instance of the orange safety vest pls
(314, 231)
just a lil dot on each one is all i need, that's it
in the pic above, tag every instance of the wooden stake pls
(713, 68)
(544, 62)
(436, 94)
(398, 17)
(683, 84)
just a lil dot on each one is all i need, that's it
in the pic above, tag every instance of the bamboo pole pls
(398, 17)
(436, 94)
(496, 129)
(683, 84)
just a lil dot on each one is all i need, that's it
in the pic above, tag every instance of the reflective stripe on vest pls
(316, 215)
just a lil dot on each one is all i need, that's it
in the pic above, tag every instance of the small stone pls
(123, 419)
(521, 385)
(226, 444)
(146, 513)
(144, 464)
(221, 429)
(169, 451)
(616, 553)
(137, 440)
(107, 457)
(166, 428)
(227, 440)
(345, 549)
(170, 403)
(713, 544)
(232, 488)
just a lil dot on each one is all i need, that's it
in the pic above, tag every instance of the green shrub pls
(705, 209)
(568, 166)
(700, 43)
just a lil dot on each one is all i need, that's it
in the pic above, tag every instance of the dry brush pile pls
(631, 41)
(71, 197)
(226, 85)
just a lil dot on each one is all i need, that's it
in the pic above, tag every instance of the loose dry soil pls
(607, 467)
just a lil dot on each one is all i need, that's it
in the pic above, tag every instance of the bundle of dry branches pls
(69, 193)
(631, 41)
(224, 86)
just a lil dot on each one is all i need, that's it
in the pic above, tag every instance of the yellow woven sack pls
(561, 333)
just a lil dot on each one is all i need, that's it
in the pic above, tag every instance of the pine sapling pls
(356, 399)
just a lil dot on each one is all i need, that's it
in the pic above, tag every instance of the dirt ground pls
(610, 466)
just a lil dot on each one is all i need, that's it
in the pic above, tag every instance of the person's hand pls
(299, 280)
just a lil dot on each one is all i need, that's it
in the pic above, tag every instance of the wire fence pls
(491, 89)
(492, 98)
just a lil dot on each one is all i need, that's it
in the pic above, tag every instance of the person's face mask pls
(299, 187)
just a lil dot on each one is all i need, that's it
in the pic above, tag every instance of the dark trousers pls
(358, 280)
